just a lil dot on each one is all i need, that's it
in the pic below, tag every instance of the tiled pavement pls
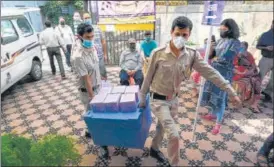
(34, 109)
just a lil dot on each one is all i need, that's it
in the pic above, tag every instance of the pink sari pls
(247, 83)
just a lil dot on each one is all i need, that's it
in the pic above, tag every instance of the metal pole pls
(202, 85)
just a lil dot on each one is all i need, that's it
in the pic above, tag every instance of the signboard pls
(213, 12)
(64, 9)
(126, 12)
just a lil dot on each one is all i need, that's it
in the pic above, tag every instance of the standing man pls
(100, 44)
(265, 44)
(76, 21)
(86, 64)
(131, 64)
(146, 48)
(169, 66)
(53, 43)
(65, 32)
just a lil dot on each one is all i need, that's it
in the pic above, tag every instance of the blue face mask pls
(147, 38)
(88, 21)
(87, 43)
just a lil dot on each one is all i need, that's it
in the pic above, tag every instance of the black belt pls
(157, 96)
(85, 90)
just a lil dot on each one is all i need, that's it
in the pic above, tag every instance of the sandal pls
(262, 160)
(216, 129)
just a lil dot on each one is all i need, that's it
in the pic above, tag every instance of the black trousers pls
(55, 51)
(68, 55)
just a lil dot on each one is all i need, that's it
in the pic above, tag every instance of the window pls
(8, 33)
(24, 26)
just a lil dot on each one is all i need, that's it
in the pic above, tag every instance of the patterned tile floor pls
(34, 109)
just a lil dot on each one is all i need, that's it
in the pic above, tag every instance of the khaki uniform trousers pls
(165, 111)
(145, 65)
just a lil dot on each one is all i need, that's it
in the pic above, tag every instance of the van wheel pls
(36, 71)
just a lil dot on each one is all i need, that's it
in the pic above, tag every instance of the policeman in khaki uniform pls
(169, 66)
(85, 64)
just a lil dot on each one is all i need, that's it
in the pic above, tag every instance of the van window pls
(24, 26)
(8, 32)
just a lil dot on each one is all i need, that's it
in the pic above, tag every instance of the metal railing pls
(117, 42)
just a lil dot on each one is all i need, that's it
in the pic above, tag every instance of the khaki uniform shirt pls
(166, 72)
(85, 62)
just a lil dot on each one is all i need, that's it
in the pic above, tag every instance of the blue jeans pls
(138, 78)
(219, 112)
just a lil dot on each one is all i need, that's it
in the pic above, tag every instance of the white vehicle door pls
(9, 43)
(29, 46)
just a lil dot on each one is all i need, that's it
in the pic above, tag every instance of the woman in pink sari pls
(246, 80)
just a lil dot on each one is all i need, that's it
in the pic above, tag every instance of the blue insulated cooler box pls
(128, 130)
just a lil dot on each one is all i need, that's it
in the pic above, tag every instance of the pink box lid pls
(118, 89)
(112, 98)
(130, 97)
(99, 98)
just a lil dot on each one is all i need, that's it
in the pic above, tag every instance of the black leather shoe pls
(157, 154)
(266, 98)
(103, 152)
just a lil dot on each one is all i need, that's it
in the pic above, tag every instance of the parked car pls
(20, 49)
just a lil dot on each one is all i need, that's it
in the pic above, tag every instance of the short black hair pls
(245, 44)
(147, 33)
(84, 28)
(182, 22)
(233, 28)
(47, 23)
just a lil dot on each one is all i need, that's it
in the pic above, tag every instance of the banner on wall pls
(126, 12)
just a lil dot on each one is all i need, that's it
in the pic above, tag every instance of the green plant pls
(15, 150)
(52, 10)
(51, 150)
(54, 150)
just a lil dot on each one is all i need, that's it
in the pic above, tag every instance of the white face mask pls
(179, 42)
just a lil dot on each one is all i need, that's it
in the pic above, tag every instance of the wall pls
(253, 20)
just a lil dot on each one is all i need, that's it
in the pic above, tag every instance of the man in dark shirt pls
(265, 44)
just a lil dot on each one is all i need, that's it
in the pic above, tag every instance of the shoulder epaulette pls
(159, 49)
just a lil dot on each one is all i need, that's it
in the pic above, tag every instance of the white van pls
(20, 49)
